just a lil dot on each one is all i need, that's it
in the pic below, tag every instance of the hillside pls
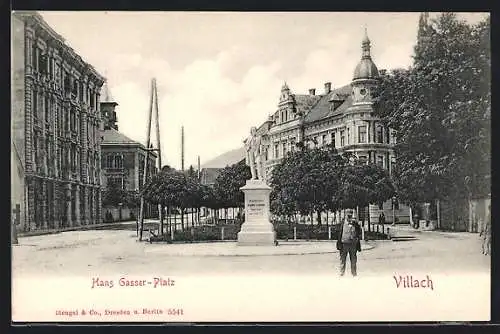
(226, 159)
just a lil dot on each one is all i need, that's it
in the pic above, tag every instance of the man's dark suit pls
(350, 248)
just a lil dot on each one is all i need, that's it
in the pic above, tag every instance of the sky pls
(219, 73)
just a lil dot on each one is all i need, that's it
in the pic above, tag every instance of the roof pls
(366, 69)
(305, 102)
(106, 96)
(322, 109)
(111, 136)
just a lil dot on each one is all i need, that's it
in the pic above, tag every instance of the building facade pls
(123, 159)
(340, 116)
(55, 127)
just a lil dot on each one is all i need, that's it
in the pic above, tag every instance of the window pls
(34, 55)
(348, 136)
(47, 109)
(292, 145)
(73, 158)
(51, 67)
(276, 151)
(323, 140)
(109, 161)
(115, 181)
(342, 138)
(73, 120)
(284, 149)
(118, 161)
(266, 154)
(333, 139)
(75, 88)
(42, 63)
(315, 142)
(362, 134)
(80, 92)
(380, 161)
(381, 206)
(35, 104)
(66, 82)
(379, 134)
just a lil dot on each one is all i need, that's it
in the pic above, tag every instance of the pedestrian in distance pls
(348, 242)
(381, 218)
(486, 236)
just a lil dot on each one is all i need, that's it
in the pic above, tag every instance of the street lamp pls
(120, 212)
(393, 211)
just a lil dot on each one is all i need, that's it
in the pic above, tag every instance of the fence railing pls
(229, 232)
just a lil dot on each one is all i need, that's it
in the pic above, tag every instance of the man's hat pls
(349, 212)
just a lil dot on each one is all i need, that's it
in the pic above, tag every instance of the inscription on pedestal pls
(256, 208)
(257, 230)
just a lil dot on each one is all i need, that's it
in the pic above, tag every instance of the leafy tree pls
(113, 195)
(440, 109)
(191, 172)
(307, 181)
(363, 184)
(228, 183)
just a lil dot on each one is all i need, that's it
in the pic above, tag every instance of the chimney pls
(328, 87)
(312, 91)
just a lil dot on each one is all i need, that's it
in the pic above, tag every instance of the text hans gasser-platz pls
(155, 282)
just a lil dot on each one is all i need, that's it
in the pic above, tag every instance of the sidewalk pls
(233, 249)
(79, 228)
(405, 230)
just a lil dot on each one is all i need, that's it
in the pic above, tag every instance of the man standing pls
(348, 242)
(381, 218)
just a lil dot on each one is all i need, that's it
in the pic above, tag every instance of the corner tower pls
(365, 75)
(108, 106)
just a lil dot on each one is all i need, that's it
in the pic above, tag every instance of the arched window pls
(379, 134)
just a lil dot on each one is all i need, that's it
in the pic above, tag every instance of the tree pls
(364, 184)
(191, 172)
(113, 195)
(307, 181)
(440, 109)
(228, 183)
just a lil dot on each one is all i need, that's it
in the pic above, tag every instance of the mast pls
(182, 148)
(199, 168)
(145, 176)
(158, 147)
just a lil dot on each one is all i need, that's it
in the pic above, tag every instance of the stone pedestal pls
(257, 230)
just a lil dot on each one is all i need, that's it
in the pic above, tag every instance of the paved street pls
(117, 251)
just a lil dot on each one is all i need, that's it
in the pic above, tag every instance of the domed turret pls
(366, 68)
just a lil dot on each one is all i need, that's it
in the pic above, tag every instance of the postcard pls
(187, 167)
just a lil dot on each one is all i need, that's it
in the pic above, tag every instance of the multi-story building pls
(55, 127)
(340, 116)
(122, 158)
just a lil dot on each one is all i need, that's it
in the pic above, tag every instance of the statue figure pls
(253, 160)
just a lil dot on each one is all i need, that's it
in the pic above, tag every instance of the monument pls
(257, 229)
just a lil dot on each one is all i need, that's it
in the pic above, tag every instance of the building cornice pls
(36, 21)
